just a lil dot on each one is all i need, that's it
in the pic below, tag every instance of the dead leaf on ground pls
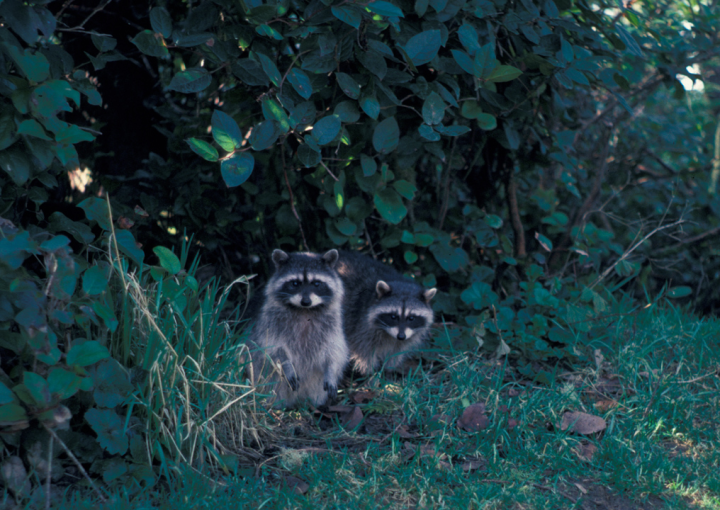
(581, 488)
(586, 451)
(360, 397)
(438, 421)
(582, 423)
(473, 418)
(125, 223)
(352, 419)
(297, 485)
(512, 392)
(605, 405)
(471, 464)
(599, 358)
(340, 409)
(512, 423)
(503, 409)
(404, 432)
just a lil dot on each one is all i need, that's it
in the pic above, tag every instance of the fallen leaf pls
(512, 423)
(581, 488)
(473, 418)
(605, 405)
(586, 451)
(141, 212)
(404, 432)
(582, 423)
(352, 419)
(125, 223)
(360, 397)
(503, 409)
(599, 358)
(297, 485)
(472, 464)
(340, 409)
(513, 392)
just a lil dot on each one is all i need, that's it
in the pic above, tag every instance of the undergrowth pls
(653, 378)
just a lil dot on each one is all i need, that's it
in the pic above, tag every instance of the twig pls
(550, 489)
(290, 68)
(76, 461)
(328, 171)
(369, 241)
(632, 249)
(49, 474)
(446, 190)
(520, 251)
(692, 239)
(292, 199)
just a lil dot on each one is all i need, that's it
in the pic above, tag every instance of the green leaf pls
(370, 106)
(303, 114)
(632, 45)
(103, 311)
(406, 189)
(357, 209)
(308, 157)
(544, 241)
(300, 82)
(347, 111)
(450, 258)
(386, 136)
(369, 166)
(493, 221)
(203, 149)
(390, 205)
(96, 209)
(423, 47)
(407, 237)
(349, 86)
(273, 111)
(428, 133)
(104, 43)
(192, 80)
(94, 281)
(127, 245)
(72, 134)
(679, 292)
(6, 394)
(225, 131)
(150, 43)
(503, 73)
(469, 38)
(424, 240)
(237, 168)
(410, 257)
(250, 72)
(464, 61)
(421, 7)
(345, 226)
(452, 130)
(385, 9)
(111, 384)
(37, 388)
(109, 428)
(168, 260)
(160, 21)
(433, 109)
(347, 14)
(487, 121)
(87, 353)
(63, 383)
(326, 129)
(33, 65)
(270, 69)
(32, 127)
(55, 243)
(11, 414)
(264, 135)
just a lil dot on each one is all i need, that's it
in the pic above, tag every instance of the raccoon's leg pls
(288, 369)
(335, 365)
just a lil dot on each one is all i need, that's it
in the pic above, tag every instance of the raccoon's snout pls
(305, 301)
(401, 336)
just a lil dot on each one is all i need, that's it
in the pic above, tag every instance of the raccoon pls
(385, 314)
(299, 327)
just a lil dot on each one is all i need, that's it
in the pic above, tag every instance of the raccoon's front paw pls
(294, 383)
(331, 389)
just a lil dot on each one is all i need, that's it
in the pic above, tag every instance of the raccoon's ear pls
(429, 294)
(331, 257)
(279, 257)
(382, 288)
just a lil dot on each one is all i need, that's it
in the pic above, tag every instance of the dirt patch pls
(594, 496)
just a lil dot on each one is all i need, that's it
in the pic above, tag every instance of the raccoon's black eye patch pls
(295, 283)
(317, 284)
(394, 317)
(411, 318)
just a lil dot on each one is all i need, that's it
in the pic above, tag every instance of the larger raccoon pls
(299, 327)
(385, 314)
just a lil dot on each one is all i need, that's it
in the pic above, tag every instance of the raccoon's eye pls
(296, 283)
(317, 284)
(411, 318)
(394, 317)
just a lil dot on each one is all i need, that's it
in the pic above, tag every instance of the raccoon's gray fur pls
(385, 314)
(299, 328)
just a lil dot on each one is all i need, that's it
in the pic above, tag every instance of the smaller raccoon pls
(299, 327)
(386, 314)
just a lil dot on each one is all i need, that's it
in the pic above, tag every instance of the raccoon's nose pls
(306, 301)
(401, 336)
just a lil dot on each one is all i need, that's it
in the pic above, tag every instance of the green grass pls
(657, 387)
